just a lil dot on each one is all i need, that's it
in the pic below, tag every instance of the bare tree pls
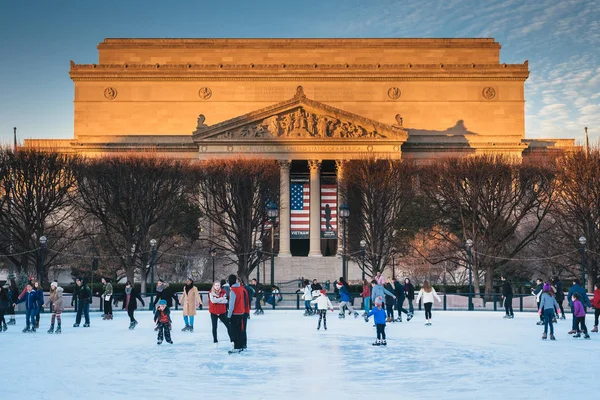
(381, 198)
(38, 188)
(135, 198)
(233, 195)
(498, 203)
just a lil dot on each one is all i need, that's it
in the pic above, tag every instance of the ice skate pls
(595, 330)
(159, 342)
(51, 330)
(216, 345)
(409, 316)
(341, 316)
(544, 336)
(191, 329)
(58, 330)
(76, 325)
(577, 335)
(512, 317)
(383, 343)
(355, 314)
(26, 330)
(169, 341)
(319, 325)
(586, 336)
(365, 314)
(554, 320)
(563, 317)
(187, 328)
(104, 317)
(377, 343)
(552, 337)
(12, 321)
(325, 325)
(571, 332)
(399, 319)
(540, 323)
(134, 324)
(32, 329)
(234, 351)
(86, 325)
(506, 316)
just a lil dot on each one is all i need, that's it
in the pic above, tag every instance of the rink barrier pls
(294, 301)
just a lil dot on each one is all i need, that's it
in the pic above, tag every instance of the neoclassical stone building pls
(311, 104)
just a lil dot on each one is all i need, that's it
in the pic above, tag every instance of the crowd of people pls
(229, 302)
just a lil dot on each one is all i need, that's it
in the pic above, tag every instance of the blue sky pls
(560, 38)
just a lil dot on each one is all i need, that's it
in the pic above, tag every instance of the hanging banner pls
(329, 211)
(299, 208)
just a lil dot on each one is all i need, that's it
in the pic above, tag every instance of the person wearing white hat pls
(56, 305)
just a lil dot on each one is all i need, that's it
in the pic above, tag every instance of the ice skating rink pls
(477, 355)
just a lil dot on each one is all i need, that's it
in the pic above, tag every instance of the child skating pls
(579, 315)
(428, 293)
(323, 304)
(162, 319)
(380, 317)
(548, 306)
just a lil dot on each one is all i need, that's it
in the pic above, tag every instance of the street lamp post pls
(272, 213)
(258, 246)
(43, 241)
(469, 245)
(393, 254)
(152, 262)
(363, 244)
(582, 242)
(344, 214)
(213, 254)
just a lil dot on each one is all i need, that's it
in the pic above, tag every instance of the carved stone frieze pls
(205, 93)
(394, 93)
(489, 93)
(110, 93)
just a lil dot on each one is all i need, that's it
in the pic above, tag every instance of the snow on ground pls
(461, 356)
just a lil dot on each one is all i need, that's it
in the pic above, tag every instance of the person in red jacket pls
(238, 300)
(366, 295)
(217, 307)
(596, 305)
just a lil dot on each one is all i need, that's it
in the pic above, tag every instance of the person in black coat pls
(84, 299)
(507, 296)
(537, 292)
(409, 290)
(560, 294)
(130, 298)
(164, 292)
(400, 296)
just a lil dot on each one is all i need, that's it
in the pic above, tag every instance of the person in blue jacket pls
(39, 291)
(380, 318)
(345, 298)
(583, 297)
(31, 300)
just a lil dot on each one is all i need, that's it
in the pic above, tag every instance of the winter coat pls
(507, 289)
(344, 294)
(316, 286)
(366, 291)
(379, 315)
(389, 300)
(217, 302)
(133, 297)
(190, 300)
(537, 292)
(583, 297)
(56, 301)
(578, 309)
(596, 299)
(31, 300)
(399, 292)
(547, 302)
(84, 294)
(166, 294)
(379, 291)
(108, 292)
(560, 293)
(409, 289)
(428, 296)
(166, 312)
(4, 300)
(323, 302)
(307, 295)
(40, 295)
(380, 280)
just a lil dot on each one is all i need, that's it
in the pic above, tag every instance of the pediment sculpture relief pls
(300, 123)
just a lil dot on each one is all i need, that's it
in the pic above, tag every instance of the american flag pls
(300, 209)
(329, 197)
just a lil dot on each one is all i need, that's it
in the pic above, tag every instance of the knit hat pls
(546, 287)
(324, 292)
(55, 284)
(162, 303)
(378, 300)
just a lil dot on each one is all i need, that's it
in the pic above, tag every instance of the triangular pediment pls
(299, 118)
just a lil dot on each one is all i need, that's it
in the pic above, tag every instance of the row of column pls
(315, 207)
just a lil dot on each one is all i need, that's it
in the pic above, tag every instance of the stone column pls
(284, 209)
(340, 225)
(315, 208)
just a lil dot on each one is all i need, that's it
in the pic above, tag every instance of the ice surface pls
(461, 356)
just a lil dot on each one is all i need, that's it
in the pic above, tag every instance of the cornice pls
(296, 78)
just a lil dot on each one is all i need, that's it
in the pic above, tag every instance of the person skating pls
(238, 299)
(537, 292)
(316, 291)
(13, 292)
(596, 304)
(259, 294)
(323, 305)
(84, 299)
(107, 299)
(378, 290)
(190, 300)
(507, 297)
(75, 295)
(560, 295)
(345, 298)
(55, 302)
(130, 298)
(579, 315)
(5, 302)
(428, 294)
(31, 301)
(366, 296)
(400, 295)
(162, 319)
(583, 298)
(164, 292)
(217, 307)
(548, 305)
(409, 290)
(39, 290)
(380, 319)
(389, 300)
(307, 297)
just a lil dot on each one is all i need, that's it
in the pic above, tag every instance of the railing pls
(294, 301)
